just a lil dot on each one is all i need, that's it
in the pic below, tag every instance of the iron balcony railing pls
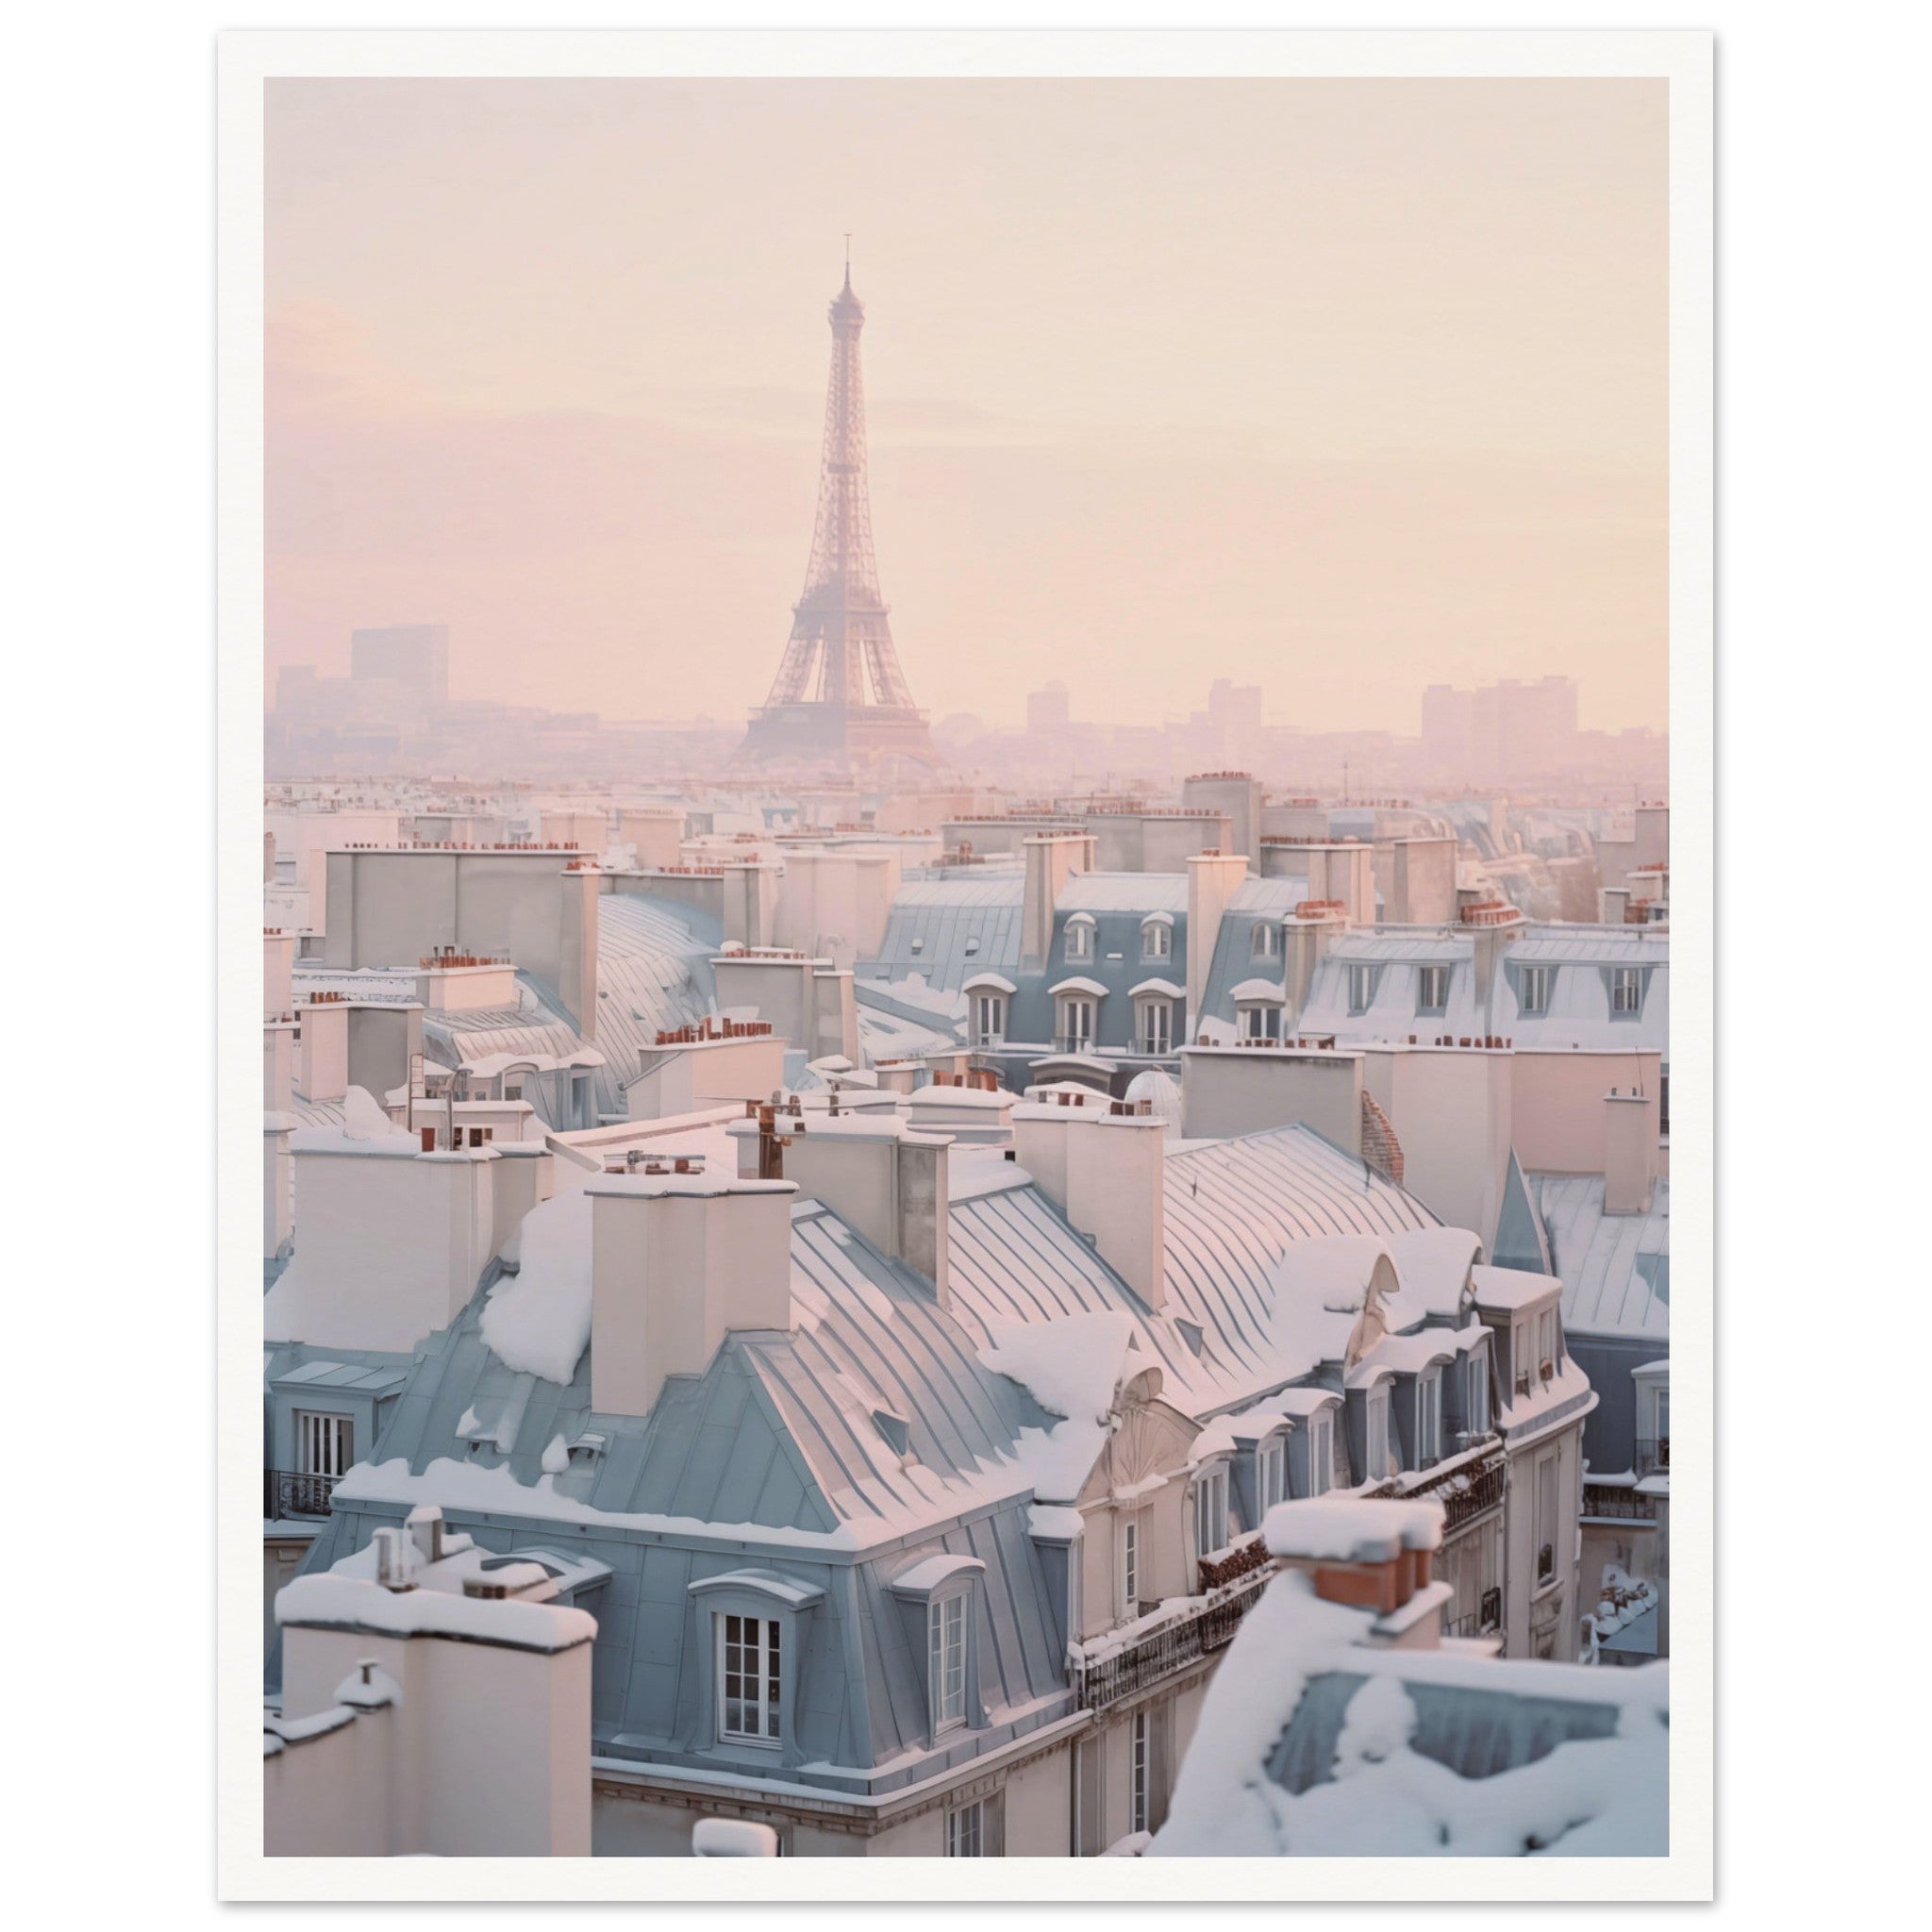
(1172, 1646)
(1618, 1500)
(1466, 1492)
(287, 1492)
(1485, 1619)
(1653, 1456)
(1073, 1042)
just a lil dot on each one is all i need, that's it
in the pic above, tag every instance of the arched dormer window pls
(1079, 936)
(1156, 936)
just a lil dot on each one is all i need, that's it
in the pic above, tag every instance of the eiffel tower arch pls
(840, 699)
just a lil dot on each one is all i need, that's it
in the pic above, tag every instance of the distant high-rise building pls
(416, 655)
(1047, 709)
(1504, 730)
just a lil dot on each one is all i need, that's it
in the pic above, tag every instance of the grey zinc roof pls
(654, 973)
(1232, 1209)
(1615, 1268)
(946, 931)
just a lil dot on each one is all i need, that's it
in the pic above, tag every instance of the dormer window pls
(1626, 992)
(1321, 1454)
(988, 1019)
(1155, 1032)
(972, 948)
(1431, 989)
(1378, 1457)
(1271, 1472)
(1533, 994)
(1074, 1032)
(1211, 1511)
(946, 1660)
(1428, 1418)
(1156, 939)
(1264, 941)
(1479, 1392)
(748, 1677)
(1361, 988)
(1080, 941)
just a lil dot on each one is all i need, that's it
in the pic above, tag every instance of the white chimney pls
(391, 1241)
(1106, 1173)
(322, 1067)
(888, 1180)
(1051, 861)
(277, 971)
(1629, 1152)
(1213, 879)
(676, 1261)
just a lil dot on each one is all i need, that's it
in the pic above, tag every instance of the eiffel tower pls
(839, 699)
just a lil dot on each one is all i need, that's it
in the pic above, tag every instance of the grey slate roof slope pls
(1579, 990)
(1615, 1268)
(1232, 1209)
(653, 974)
(771, 1456)
(1256, 903)
(947, 930)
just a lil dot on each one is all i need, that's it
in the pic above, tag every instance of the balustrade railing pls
(288, 1493)
(1168, 1647)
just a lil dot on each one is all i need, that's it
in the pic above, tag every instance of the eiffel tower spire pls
(839, 691)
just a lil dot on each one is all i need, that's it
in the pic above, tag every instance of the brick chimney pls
(1373, 1554)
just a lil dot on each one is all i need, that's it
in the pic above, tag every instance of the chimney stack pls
(1051, 861)
(1376, 1553)
(1213, 879)
(1630, 1151)
(677, 1262)
(1106, 1173)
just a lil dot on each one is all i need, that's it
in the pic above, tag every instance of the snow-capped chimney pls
(1372, 1554)
(1630, 1152)
(677, 1262)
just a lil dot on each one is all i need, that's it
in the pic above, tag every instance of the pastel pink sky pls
(1341, 387)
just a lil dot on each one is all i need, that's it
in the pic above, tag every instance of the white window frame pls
(1157, 940)
(1361, 988)
(945, 1667)
(1428, 979)
(1548, 1344)
(1079, 939)
(1271, 1472)
(324, 1444)
(966, 1832)
(990, 1018)
(1210, 1508)
(1081, 1036)
(1626, 992)
(1321, 1454)
(759, 1642)
(1140, 1771)
(1264, 940)
(1428, 1417)
(1155, 1032)
(1260, 1019)
(1479, 1392)
(1378, 1407)
(1536, 984)
(1130, 1569)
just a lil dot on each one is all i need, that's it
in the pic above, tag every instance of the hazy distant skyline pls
(1340, 387)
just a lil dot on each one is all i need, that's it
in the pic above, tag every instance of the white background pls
(1823, 752)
